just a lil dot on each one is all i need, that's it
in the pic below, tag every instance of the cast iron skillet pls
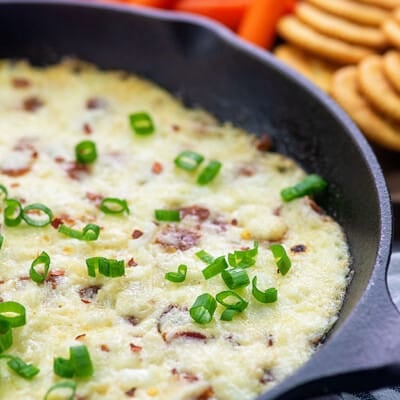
(207, 66)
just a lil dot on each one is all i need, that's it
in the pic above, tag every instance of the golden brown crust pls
(357, 12)
(389, 4)
(340, 28)
(391, 67)
(377, 90)
(337, 51)
(376, 127)
(392, 31)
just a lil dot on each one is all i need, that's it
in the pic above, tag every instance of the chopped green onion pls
(59, 386)
(167, 215)
(40, 221)
(239, 303)
(80, 359)
(112, 205)
(215, 268)
(235, 278)
(18, 317)
(204, 256)
(209, 172)
(6, 338)
(309, 185)
(188, 160)
(26, 371)
(4, 192)
(203, 309)
(107, 267)
(90, 232)
(12, 212)
(63, 367)
(281, 258)
(228, 314)
(1, 240)
(86, 152)
(243, 258)
(141, 123)
(179, 276)
(34, 274)
(268, 296)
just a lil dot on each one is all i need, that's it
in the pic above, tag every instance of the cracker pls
(389, 4)
(392, 31)
(357, 12)
(335, 50)
(377, 89)
(318, 71)
(391, 67)
(376, 127)
(340, 28)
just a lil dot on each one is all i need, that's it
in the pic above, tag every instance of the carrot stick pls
(151, 3)
(290, 5)
(259, 22)
(228, 12)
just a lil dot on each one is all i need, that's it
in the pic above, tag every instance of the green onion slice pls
(6, 338)
(86, 152)
(141, 123)
(215, 268)
(235, 278)
(12, 312)
(81, 362)
(107, 267)
(41, 220)
(3, 192)
(268, 296)
(232, 300)
(308, 186)
(89, 232)
(179, 276)
(204, 256)
(1, 240)
(228, 314)
(209, 172)
(112, 205)
(40, 277)
(203, 309)
(281, 258)
(167, 215)
(243, 258)
(26, 371)
(188, 160)
(12, 212)
(63, 367)
(59, 387)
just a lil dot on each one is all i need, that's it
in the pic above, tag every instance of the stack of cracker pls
(324, 35)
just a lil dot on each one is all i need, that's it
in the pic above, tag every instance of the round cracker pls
(357, 12)
(335, 50)
(389, 4)
(392, 31)
(318, 71)
(377, 89)
(396, 15)
(339, 28)
(376, 128)
(391, 67)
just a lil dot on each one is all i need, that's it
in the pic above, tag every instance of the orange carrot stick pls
(151, 3)
(228, 12)
(259, 22)
(290, 5)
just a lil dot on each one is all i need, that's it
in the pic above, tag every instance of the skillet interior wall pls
(210, 72)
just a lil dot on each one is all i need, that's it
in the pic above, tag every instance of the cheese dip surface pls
(137, 328)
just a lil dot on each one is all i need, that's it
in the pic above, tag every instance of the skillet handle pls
(365, 356)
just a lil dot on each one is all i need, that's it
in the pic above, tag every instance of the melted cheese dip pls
(137, 328)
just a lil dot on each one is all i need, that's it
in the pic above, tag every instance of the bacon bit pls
(1, 299)
(187, 376)
(95, 103)
(267, 377)
(59, 159)
(105, 348)
(277, 211)
(24, 278)
(131, 392)
(234, 222)
(15, 185)
(270, 340)
(87, 129)
(20, 83)
(2, 281)
(132, 320)
(137, 234)
(80, 337)
(172, 237)
(54, 277)
(134, 348)
(89, 293)
(200, 212)
(189, 335)
(76, 170)
(32, 104)
(22, 200)
(207, 394)
(264, 143)
(56, 223)
(299, 248)
(246, 170)
(315, 206)
(132, 262)
(14, 172)
(164, 314)
(96, 199)
(175, 127)
(157, 168)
